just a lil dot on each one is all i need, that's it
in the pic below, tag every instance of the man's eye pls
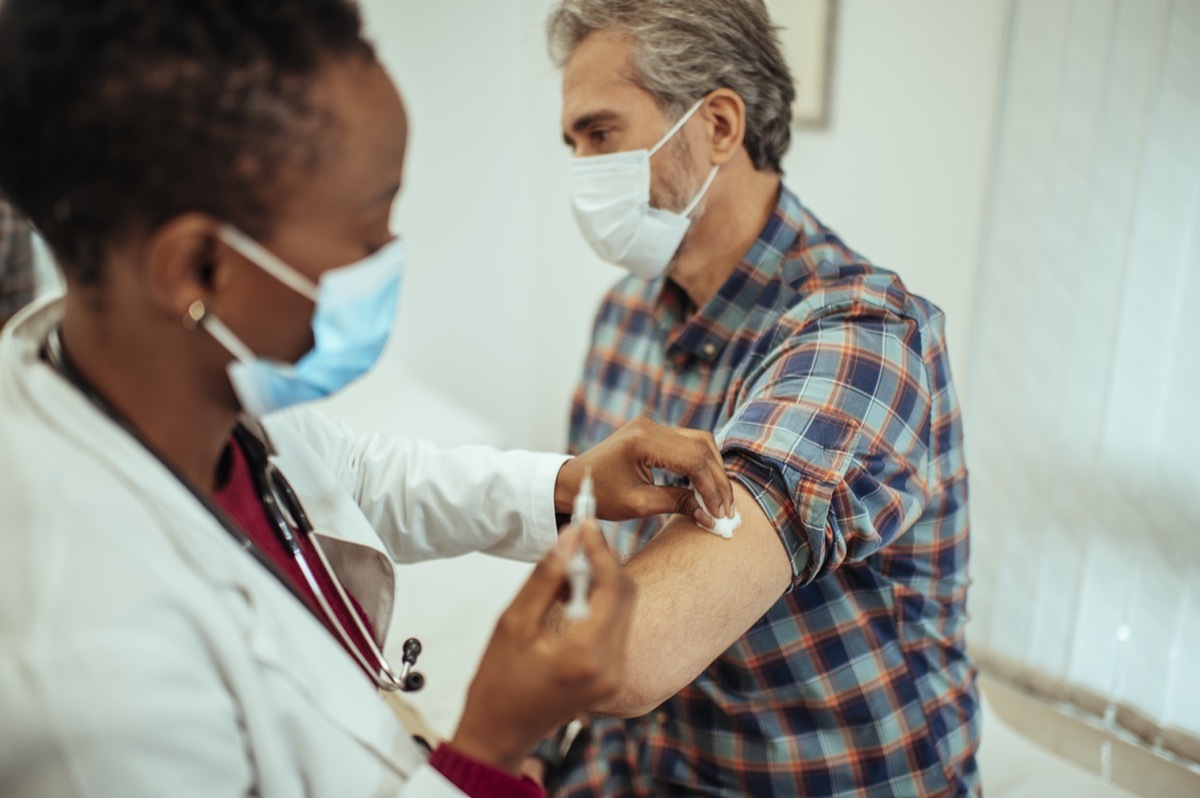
(598, 136)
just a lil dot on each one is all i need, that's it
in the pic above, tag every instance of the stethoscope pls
(287, 514)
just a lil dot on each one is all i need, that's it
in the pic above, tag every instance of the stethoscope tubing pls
(286, 511)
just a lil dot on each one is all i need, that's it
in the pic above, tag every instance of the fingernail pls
(702, 518)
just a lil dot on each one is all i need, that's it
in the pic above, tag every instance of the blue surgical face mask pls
(355, 310)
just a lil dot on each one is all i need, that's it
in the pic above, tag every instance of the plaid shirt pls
(827, 386)
(16, 262)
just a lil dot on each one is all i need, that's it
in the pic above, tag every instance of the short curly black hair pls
(117, 115)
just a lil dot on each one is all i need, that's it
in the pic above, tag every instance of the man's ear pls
(181, 263)
(725, 113)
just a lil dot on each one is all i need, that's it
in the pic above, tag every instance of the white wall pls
(502, 288)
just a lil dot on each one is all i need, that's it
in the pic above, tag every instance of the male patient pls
(819, 651)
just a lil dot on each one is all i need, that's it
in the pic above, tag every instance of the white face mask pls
(610, 195)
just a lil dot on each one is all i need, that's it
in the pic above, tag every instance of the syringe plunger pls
(579, 570)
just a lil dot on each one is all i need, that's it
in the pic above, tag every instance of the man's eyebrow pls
(586, 121)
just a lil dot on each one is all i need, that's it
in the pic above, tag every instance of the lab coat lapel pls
(368, 575)
(354, 550)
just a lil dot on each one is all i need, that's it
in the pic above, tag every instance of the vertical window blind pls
(1083, 402)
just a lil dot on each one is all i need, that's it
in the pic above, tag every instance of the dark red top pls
(478, 780)
(239, 499)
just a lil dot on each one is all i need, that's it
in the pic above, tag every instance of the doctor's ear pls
(180, 262)
(725, 112)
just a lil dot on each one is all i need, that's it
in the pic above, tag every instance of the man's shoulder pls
(827, 282)
(825, 291)
(856, 290)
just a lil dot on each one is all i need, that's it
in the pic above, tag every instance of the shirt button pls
(709, 349)
(662, 718)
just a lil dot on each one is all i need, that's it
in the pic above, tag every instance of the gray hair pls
(684, 49)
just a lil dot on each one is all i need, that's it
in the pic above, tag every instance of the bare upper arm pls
(697, 594)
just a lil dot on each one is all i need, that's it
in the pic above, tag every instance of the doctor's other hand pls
(622, 468)
(533, 679)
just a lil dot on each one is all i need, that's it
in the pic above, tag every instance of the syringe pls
(579, 570)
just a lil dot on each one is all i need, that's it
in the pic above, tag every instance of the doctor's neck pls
(736, 209)
(147, 368)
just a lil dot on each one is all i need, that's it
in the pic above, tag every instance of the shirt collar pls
(754, 282)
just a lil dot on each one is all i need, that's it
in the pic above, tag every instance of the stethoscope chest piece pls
(409, 680)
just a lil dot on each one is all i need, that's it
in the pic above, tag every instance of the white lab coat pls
(143, 653)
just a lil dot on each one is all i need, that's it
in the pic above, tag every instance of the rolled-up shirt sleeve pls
(830, 436)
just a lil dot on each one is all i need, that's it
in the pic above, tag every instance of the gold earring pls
(195, 314)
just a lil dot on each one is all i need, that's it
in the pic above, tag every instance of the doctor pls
(196, 573)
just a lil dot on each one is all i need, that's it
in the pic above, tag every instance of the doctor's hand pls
(622, 467)
(532, 679)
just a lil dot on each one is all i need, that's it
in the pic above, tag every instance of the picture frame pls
(806, 33)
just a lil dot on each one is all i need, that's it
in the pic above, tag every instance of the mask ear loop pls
(225, 337)
(703, 190)
(682, 121)
(198, 317)
(670, 134)
(266, 260)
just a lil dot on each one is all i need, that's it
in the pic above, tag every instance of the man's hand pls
(622, 468)
(533, 680)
